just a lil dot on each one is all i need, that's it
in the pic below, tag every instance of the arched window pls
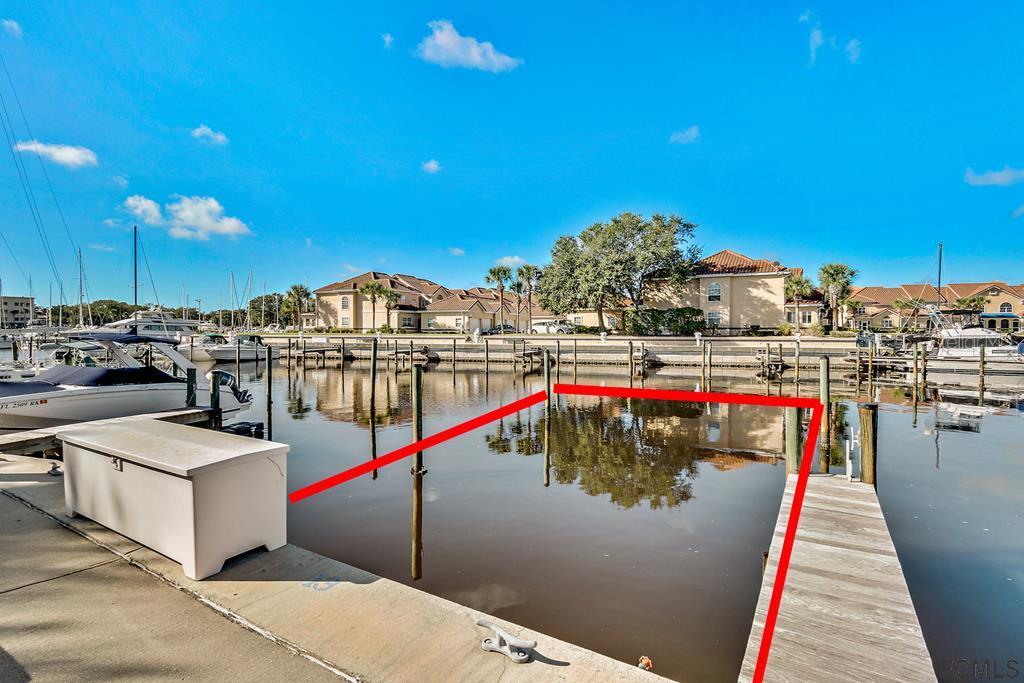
(991, 323)
(714, 292)
(1005, 308)
(1004, 323)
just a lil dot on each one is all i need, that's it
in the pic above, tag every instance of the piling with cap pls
(824, 394)
(373, 372)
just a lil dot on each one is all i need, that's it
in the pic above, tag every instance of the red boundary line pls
(817, 411)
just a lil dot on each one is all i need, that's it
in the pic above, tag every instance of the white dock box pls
(197, 496)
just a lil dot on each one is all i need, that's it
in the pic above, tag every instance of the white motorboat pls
(67, 394)
(244, 347)
(198, 348)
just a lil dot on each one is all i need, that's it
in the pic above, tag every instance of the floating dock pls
(846, 612)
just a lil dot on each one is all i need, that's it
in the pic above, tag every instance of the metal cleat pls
(519, 651)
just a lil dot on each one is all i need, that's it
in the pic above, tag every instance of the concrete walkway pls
(355, 624)
(70, 610)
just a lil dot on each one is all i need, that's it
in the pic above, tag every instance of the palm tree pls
(297, 298)
(517, 286)
(973, 303)
(798, 287)
(498, 276)
(527, 274)
(373, 291)
(900, 305)
(835, 279)
(391, 299)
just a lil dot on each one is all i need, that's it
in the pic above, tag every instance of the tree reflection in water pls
(605, 449)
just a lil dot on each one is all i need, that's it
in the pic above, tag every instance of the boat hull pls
(227, 353)
(82, 404)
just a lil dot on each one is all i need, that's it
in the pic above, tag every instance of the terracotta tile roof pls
(427, 287)
(360, 280)
(731, 262)
(457, 303)
(885, 296)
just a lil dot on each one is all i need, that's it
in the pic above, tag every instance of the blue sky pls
(297, 142)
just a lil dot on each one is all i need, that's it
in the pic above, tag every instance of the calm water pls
(635, 527)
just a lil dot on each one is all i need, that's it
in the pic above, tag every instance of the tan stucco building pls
(892, 308)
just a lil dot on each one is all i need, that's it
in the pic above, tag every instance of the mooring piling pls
(547, 378)
(216, 417)
(981, 376)
(190, 388)
(793, 433)
(417, 417)
(868, 442)
(373, 373)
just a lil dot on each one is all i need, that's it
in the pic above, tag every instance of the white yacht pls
(154, 323)
(67, 394)
(958, 342)
(197, 348)
(244, 347)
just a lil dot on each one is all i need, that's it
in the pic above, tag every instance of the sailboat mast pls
(231, 293)
(135, 276)
(80, 321)
(938, 291)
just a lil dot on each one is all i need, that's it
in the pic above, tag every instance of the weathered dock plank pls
(846, 612)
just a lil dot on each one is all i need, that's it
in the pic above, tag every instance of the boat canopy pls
(102, 377)
(121, 338)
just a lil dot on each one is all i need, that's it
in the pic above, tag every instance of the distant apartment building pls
(735, 292)
(16, 311)
(999, 305)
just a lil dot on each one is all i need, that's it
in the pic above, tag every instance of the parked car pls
(500, 329)
(551, 327)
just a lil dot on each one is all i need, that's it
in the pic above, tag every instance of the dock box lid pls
(173, 448)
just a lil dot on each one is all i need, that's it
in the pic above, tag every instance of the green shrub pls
(785, 329)
(385, 329)
(673, 321)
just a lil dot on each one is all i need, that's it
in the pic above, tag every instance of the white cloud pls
(113, 222)
(199, 217)
(145, 209)
(805, 18)
(102, 247)
(349, 267)
(69, 156)
(208, 135)
(1007, 176)
(685, 137)
(816, 39)
(445, 47)
(510, 261)
(120, 180)
(187, 217)
(456, 251)
(1019, 211)
(853, 50)
(12, 27)
(388, 40)
(432, 166)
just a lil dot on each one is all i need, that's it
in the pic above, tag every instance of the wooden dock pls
(846, 612)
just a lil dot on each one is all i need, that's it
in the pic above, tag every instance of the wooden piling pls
(868, 441)
(547, 378)
(793, 434)
(216, 416)
(487, 354)
(289, 353)
(871, 363)
(711, 359)
(558, 355)
(824, 395)
(629, 363)
(914, 385)
(858, 364)
(981, 375)
(417, 417)
(924, 371)
(303, 351)
(575, 356)
(190, 387)
(454, 341)
(373, 373)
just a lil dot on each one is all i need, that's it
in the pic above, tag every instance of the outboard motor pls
(229, 380)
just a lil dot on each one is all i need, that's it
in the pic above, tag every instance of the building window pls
(1004, 323)
(714, 319)
(714, 292)
(577, 320)
(613, 322)
(430, 323)
(344, 303)
(865, 324)
(458, 323)
(806, 317)
(991, 323)
(886, 322)
(406, 321)
(789, 316)
(1016, 324)
(346, 322)
(1005, 308)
